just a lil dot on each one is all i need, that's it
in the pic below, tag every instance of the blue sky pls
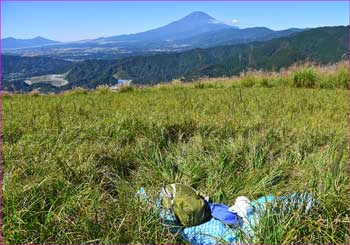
(69, 21)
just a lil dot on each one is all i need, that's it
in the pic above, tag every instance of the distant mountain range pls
(235, 36)
(323, 45)
(196, 30)
(191, 25)
(13, 43)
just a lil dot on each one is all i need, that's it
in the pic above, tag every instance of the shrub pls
(103, 89)
(342, 77)
(199, 85)
(304, 78)
(328, 81)
(248, 81)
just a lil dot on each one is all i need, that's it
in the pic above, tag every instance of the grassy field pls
(72, 163)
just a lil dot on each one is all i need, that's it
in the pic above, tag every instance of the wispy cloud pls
(235, 22)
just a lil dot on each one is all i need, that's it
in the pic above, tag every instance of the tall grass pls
(73, 162)
(306, 75)
(305, 78)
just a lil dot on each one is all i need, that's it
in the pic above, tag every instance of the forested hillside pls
(324, 45)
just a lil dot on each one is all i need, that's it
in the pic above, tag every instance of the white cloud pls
(235, 21)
